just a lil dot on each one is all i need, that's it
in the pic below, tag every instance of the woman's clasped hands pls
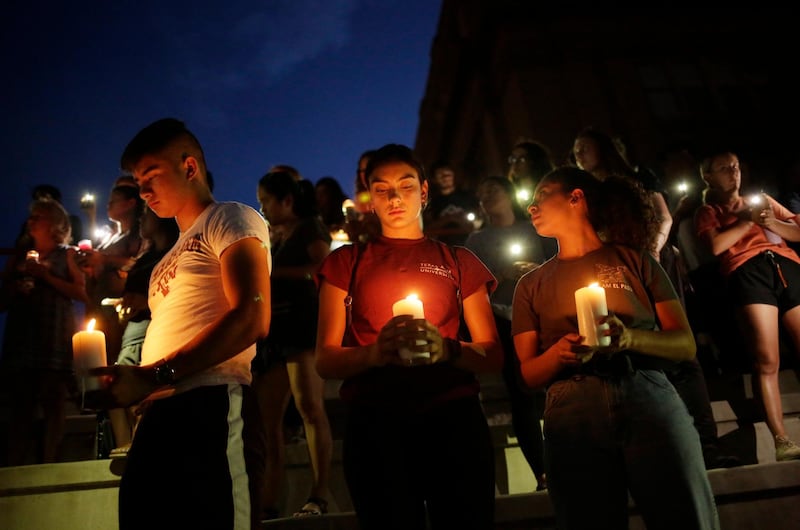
(409, 341)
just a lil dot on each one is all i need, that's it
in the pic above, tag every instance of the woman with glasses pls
(528, 162)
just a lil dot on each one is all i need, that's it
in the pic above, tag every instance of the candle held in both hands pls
(88, 351)
(410, 305)
(591, 305)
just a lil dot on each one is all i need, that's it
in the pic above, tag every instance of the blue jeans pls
(606, 437)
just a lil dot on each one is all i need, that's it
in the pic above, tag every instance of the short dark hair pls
(394, 153)
(155, 138)
(508, 188)
(442, 164)
(46, 190)
(282, 184)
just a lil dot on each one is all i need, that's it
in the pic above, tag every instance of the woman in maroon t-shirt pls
(417, 444)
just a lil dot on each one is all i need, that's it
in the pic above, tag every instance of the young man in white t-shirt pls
(198, 449)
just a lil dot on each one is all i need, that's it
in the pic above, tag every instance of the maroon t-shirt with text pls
(389, 270)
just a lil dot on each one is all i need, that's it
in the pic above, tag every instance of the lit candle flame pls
(90, 325)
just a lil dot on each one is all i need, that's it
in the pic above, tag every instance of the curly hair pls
(282, 184)
(629, 217)
(620, 209)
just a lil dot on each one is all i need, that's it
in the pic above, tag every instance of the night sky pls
(306, 83)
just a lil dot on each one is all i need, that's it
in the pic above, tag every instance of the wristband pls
(453, 350)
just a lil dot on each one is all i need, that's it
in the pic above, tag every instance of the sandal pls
(313, 506)
(120, 452)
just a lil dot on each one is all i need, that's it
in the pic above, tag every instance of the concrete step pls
(741, 428)
(80, 495)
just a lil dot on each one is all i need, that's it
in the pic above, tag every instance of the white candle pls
(410, 305)
(88, 351)
(591, 304)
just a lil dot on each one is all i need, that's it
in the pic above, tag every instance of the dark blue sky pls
(310, 83)
(302, 82)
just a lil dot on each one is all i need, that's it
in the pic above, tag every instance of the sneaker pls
(785, 449)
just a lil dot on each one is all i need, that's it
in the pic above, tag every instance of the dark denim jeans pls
(606, 437)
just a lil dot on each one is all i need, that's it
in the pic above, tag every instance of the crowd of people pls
(220, 320)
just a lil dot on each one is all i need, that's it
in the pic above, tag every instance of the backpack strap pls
(358, 249)
(457, 272)
(348, 300)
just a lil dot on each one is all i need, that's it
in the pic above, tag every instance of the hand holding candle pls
(591, 305)
(88, 351)
(411, 305)
(339, 238)
(87, 201)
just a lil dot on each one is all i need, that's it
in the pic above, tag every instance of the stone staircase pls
(81, 492)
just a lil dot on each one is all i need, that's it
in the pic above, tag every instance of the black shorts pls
(767, 278)
(202, 449)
